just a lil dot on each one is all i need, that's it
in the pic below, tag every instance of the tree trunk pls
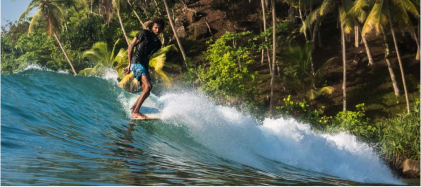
(417, 37)
(92, 4)
(65, 54)
(264, 30)
(122, 27)
(389, 66)
(173, 29)
(269, 61)
(399, 60)
(320, 37)
(357, 32)
(344, 67)
(367, 48)
(272, 80)
(301, 17)
(263, 56)
(134, 11)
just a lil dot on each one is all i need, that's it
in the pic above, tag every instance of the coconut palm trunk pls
(399, 60)
(173, 29)
(357, 32)
(417, 57)
(272, 80)
(344, 67)
(367, 48)
(389, 66)
(134, 11)
(122, 27)
(264, 30)
(65, 54)
(301, 17)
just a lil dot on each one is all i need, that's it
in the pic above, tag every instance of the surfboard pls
(156, 116)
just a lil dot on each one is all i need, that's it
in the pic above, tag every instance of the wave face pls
(59, 129)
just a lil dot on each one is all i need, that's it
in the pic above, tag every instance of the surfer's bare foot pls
(138, 115)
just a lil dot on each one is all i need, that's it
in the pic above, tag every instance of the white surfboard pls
(156, 116)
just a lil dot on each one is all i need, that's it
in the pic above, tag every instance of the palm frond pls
(358, 10)
(112, 52)
(327, 63)
(31, 6)
(163, 50)
(311, 18)
(164, 77)
(347, 21)
(54, 17)
(408, 6)
(126, 79)
(35, 20)
(376, 19)
(99, 53)
(327, 7)
(133, 33)
(85, 72)
(314, 93)
(121, 61)
(327, 90)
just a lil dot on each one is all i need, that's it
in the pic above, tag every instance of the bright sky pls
(11, 10)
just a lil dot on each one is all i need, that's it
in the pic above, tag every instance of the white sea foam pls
(232, 135)
(110, 75)
(39, 67)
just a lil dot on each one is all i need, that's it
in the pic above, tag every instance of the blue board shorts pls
(139, 70)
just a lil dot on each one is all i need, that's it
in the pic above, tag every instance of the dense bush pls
(227, 73)
(400, 136)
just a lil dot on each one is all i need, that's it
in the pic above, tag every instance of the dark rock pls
(411, 168)
(191, 16)
(179, 28)
(200, 31)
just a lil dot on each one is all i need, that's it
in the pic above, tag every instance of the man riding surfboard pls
(146, 43)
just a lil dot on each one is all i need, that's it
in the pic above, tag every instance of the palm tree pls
(359, 16)
(103, 57)
(50, 12)
(299, 58)
(326, 7)
(359, 11)
(380, 16)
(108, 7)
(272, 79)
(117, 7)
(264, 30)
(134, 11)
(174, 31)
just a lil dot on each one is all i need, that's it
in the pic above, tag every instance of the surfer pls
(146, 43)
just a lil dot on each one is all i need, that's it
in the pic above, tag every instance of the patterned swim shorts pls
(139, 70)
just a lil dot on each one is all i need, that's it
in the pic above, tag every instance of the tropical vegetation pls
(299, 58)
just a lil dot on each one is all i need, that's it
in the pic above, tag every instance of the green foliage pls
(356, 123)
(227, 73)
(282, 29)
(302, 112)
(298, 74)
(400, 135)
(103, 58)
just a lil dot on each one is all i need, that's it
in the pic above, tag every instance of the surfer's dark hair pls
(149, 24)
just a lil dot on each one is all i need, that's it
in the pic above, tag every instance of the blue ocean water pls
(59, 129)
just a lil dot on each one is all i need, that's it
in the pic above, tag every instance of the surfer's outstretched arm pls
(134, 42)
